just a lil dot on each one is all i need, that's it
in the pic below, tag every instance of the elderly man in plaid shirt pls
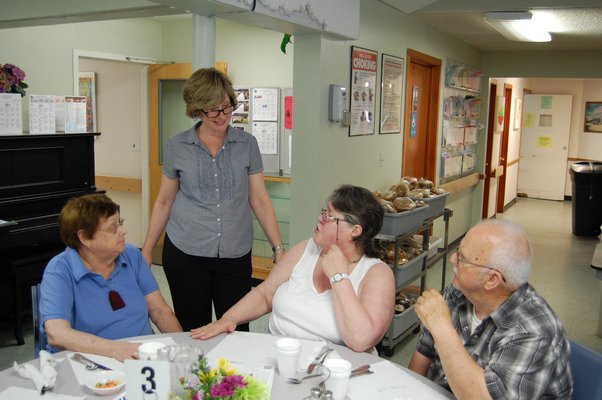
(489, 335)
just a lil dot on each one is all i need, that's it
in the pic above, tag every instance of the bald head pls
(502, 245)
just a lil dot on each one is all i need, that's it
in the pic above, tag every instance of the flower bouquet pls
(220, 383)
(11, 79)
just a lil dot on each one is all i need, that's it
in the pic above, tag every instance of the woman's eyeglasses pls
(215, 113)
(324, 217)
(461, 260)
(114, 228)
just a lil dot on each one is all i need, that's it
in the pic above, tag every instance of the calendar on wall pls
(461, 110)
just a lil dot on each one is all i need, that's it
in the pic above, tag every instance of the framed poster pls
(363, 86)
(87, 89)
(593, 117)
(391, 91)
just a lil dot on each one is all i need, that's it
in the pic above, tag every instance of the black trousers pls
(198, 282)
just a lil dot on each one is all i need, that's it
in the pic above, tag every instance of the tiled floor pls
(561, 273)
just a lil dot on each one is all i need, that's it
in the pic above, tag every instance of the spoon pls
(299, 380)
(362, 369)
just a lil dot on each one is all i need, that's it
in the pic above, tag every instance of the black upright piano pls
(38, 174)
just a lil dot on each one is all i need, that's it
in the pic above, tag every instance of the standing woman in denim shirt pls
(212, 180)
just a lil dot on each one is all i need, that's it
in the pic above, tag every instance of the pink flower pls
(226, 387)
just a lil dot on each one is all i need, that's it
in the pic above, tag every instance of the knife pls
(86, 360)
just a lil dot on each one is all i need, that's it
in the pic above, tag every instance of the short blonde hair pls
(207, 88)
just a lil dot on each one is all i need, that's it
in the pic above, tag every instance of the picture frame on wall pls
(391, 94)
(592, 120)
(87, 89)
(364, 64)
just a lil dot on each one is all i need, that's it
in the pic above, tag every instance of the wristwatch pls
(338, 277)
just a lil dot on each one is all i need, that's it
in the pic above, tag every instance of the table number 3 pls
(147, 380)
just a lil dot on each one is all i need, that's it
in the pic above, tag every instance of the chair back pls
(39, 336)
(586, 366)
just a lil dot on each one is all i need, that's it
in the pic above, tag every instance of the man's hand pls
(432, 310)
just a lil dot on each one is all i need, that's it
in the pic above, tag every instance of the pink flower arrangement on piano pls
(221, 383)
(11, 79)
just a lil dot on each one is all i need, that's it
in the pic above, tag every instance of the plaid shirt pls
(522, 347)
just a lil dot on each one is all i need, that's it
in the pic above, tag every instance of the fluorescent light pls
(518, 26)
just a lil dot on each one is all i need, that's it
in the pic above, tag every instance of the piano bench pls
(26, 265)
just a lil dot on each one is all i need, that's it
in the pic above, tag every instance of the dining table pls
(389, 381)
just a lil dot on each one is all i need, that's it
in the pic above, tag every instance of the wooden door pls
(166, 117)
(419, 157)
(503, 162)
(489, 171)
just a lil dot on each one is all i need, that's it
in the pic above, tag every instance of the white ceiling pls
(578, 23)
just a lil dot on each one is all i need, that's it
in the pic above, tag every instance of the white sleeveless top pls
(299, 311)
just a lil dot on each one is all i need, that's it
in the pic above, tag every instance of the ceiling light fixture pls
(518, 26)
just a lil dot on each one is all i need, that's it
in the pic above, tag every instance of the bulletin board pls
(461, 109)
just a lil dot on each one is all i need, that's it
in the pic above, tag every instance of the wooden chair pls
(39, 337)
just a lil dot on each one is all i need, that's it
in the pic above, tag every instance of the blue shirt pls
(211, 215)
(70, 291)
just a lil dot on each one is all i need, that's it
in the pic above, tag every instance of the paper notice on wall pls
(528, 120)
(267, 136)
(41, 114)
(265, 104)
(10, 114)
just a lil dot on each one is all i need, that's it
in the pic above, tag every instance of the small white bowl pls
(102, 378)
(148, 350)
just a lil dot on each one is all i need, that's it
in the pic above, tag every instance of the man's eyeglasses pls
(215, 113)
(114, 228)
(461, 260)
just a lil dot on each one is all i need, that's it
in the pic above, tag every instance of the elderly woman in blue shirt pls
(99, 289)
(212, 183)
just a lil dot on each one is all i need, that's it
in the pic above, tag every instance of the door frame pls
(503, 161)
(157, 72)
(489, 149)
(432, 137)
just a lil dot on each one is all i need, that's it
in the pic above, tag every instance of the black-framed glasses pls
(462, 260)
(115, 227)
(215, 113)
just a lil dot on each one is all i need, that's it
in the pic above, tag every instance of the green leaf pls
(285, 41)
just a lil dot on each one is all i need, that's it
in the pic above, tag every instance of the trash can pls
(587, 197)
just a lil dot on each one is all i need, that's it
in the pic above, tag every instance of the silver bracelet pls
(278, 249)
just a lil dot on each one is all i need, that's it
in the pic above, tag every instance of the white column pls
(203, 42)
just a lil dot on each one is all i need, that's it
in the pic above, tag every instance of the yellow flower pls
(223, 366)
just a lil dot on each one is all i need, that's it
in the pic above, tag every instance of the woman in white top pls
(332, 286)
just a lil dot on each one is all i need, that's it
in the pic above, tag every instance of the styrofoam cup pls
(148, 350)
(288, 350)
(338, 381)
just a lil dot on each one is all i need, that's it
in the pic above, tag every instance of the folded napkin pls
(12, 393)
(308, 356)
(45, 376)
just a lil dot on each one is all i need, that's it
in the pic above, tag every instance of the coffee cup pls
(148, 350)
(338, 372)
(288, 350)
